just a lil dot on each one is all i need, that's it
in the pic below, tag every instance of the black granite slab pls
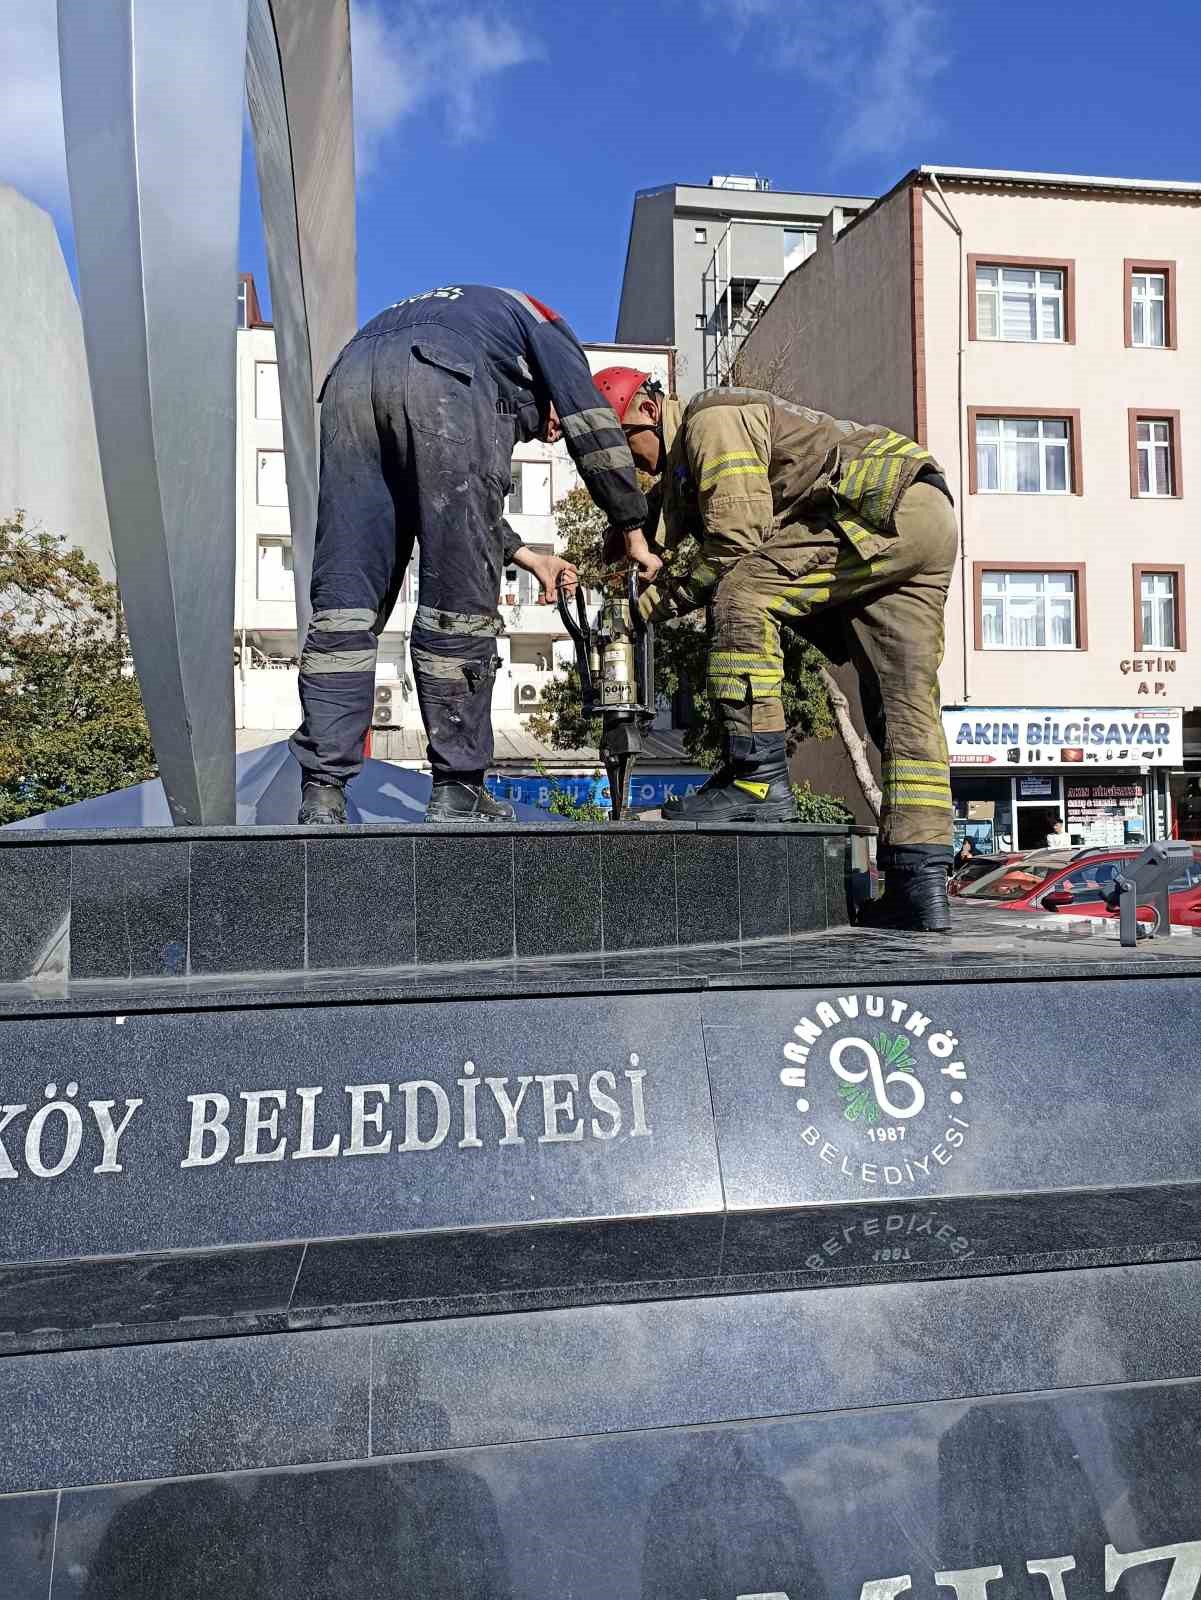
(35, 893)
(150, 1411)
(557, 894)
(464, 898)
(227, 1404)
(638, 878)
(247, 906)
(112, 1297)
(28, 1523)
(831, 1150)
(763, 898)
(129, 911)
(706, 875)
(361, 903)
(1059, 1495)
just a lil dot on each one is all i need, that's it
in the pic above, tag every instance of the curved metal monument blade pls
(152, 108)
(298, 85)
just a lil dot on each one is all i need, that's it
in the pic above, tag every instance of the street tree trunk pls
(856, 747)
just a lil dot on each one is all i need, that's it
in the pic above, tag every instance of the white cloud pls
(429, 58)
(31, 116)
(877, 61)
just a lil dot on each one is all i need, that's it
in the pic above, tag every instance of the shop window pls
(1149, 310)
(1021, 301)
(1024, 452)
(1023, 609)
(1159, 608)
(1154, 454)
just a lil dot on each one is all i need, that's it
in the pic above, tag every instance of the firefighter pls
(419, 417)
(802, 520)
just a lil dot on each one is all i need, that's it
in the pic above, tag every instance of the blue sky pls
(503, 143)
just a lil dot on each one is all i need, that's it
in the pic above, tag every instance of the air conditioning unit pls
(381, 715)
(527, 697)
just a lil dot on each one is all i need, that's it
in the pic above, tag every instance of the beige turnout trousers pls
(891, 608)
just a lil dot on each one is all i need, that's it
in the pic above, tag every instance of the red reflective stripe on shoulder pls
(551, 316)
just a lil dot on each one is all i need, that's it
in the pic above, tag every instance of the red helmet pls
(619, 385)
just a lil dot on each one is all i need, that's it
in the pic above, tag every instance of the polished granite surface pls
(199, 903)
(982, 947)
(1043, 1497)
(225, 1405)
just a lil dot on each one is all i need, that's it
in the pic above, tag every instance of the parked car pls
(976, 867)
(1073, 883)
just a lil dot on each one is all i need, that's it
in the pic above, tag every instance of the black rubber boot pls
(322, 805)
(453, 800)
(752, 788)
(915, 892)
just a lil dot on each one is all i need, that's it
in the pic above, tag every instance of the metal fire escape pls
(735, 292)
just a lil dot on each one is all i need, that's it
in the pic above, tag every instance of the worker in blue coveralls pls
(419, 417)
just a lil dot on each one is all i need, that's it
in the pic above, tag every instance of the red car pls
(1073, 882)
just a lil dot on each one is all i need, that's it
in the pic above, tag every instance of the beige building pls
(1040, 333)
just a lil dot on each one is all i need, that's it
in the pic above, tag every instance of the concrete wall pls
(838, 334)
(1103, 528)
(49, 463)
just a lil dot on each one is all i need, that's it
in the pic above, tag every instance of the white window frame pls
(268, 407)
(1144, 300)
(1041, 293)
(1149, 603)
(1046, 443)
(1151, 452)
(1007, 641)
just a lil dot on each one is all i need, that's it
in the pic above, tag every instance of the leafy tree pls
(680, 651)
(71, 718)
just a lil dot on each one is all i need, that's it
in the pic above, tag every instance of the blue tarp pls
(268, 782)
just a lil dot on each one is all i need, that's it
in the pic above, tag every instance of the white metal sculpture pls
(153, 108)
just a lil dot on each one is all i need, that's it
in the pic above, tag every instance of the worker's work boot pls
(743, 789)
(453, 800)
(915, 892)
(322, 805)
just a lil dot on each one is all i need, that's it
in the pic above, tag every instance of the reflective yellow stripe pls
(713, 462)
(733, 472)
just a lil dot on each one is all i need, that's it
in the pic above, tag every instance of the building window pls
(1029, 302)
(266, 391)
(1158, 608)
(700, 234)
(1024, 609)
(1148, 305)
(1023, 455)
(249, 312)
(242, 312)
(1154, 454)
(271, 487)
(275, 580)
(1149, 292)
(799, 245)
(529, 489)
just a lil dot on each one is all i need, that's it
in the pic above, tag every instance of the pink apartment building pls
(1041, 334)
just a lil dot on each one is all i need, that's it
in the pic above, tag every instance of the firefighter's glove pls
(649, 602)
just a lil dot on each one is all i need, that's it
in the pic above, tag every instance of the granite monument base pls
(530, 1214)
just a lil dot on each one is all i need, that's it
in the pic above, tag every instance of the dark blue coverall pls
(419, 417)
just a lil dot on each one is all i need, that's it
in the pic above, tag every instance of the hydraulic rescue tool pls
(616, 661)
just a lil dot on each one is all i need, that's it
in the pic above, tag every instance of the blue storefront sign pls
(648, 790)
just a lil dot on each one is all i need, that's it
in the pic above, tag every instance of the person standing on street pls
(798, 516)
(419, 417)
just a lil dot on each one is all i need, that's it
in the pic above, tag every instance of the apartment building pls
(704, 260)
(534, 647)
(1040, 333)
